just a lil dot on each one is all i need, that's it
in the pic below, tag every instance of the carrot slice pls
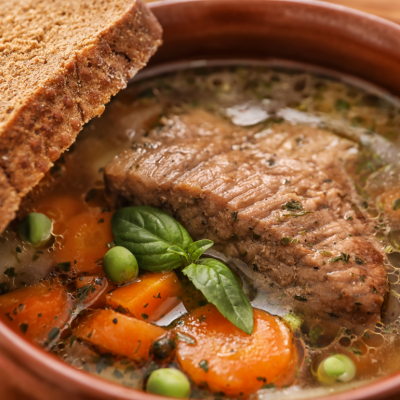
(60, 208)
(92, 290)
(230, 361)
(85, 242)
(119, 334)
(36, 310)
(148, 298)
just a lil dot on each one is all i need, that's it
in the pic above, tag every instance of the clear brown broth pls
(372, 121)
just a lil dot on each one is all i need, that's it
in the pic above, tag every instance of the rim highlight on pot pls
(307, 32)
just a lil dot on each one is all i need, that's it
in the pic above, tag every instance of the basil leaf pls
(196, 249)
(148, 233)
(179, 251)
(219, 286)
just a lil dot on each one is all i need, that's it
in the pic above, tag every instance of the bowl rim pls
(44, 365)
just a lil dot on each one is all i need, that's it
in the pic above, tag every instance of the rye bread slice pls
(60, 62)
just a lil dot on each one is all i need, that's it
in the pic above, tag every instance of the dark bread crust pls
(46, 123)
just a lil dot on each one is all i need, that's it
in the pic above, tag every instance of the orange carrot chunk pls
(228, 360)
(92, 290)
(60, 208)
(85, 242)
(36, 310)
(148, 298)
(119, 334)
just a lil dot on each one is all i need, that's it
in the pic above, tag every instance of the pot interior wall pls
(257, 29)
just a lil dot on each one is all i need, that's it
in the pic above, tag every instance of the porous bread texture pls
(60, 62)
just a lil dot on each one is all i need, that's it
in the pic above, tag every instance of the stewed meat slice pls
(280, 199)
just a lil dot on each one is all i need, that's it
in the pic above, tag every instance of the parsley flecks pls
(286, 240)
(83, 292)
(343, 257)
(261, 379)
(100, 221)
(64, 266)
(362, 278)
(396, 204)
(292, 205)
(145, 316)
(300, 214)
(325, 253)
(342, 105)
(204, 365)
(269, 386)
(10, 272)
(356, 351)
(314, 335)
(23, 328)
(37, 255)
(53, 334)
(118, 374)
(234, 215)
(359, 261)
(72, 340)
(115, 321)
(300, 298)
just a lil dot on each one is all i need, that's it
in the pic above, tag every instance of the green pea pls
(169, 382)
(120, 265)
(36, 229)
(336, 368)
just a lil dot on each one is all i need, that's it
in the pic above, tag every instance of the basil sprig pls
(148, 233)
(160, 243)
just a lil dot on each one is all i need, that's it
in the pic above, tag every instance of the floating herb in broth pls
(255, 99)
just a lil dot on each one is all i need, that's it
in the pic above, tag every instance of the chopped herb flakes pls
(204, 365)
(53, 334)
(145, 316)
(269, 386)
(10, 272)
(343, 257)
(300, 214)
(342, 105)
(23, 328)
(234, 215)
(355, 351)
(64, 266)
(325, 253)
(396, 204)
(83, 292)
(286, 240)
(359, 261)
(300, 298)
(292, 205)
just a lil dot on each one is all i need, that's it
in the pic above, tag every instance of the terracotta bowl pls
(309, 32)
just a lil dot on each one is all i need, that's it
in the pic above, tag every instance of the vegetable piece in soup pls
(231, 361)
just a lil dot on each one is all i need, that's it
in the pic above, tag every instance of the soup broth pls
(253, 100)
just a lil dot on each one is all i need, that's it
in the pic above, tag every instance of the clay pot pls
(310, 32)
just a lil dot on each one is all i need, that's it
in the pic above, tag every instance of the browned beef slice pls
(251, 192)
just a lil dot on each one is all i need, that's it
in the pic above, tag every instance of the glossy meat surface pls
(280, 199)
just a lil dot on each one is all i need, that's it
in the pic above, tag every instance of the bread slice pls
(60, 62)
